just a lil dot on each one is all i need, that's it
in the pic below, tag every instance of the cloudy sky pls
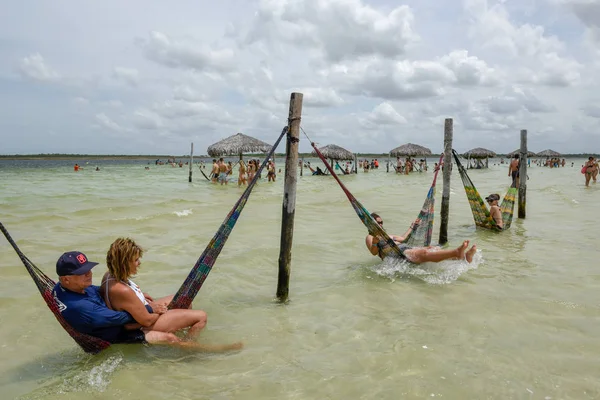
(149, 76)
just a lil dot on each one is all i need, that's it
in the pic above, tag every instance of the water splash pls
(441, 273)
(96, 379)
(183, 213)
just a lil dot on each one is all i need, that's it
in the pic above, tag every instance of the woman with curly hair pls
(122, 294)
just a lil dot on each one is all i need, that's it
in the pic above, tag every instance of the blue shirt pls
(87, 313)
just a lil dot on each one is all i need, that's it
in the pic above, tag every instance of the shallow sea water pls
(520, 322)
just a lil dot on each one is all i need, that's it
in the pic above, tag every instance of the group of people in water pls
(221, 171)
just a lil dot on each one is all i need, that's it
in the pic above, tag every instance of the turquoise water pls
(520, 322)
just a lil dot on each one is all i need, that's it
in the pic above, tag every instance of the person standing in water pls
(513, 170)
(590, 170)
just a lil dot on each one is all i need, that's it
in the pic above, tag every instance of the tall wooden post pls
(388, 165)
(302, 166)
(289, 196)
(355, 163)
(523, 174)
(447, 172)
(191, 161)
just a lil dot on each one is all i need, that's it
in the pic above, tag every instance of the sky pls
(150, 77)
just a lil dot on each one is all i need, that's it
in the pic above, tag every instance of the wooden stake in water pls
(355, 163)
(523, 174)
(191, 162)
(302, 167)
(289, 196)
(447, 172)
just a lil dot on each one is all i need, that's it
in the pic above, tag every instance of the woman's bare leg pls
(174, 320)
(423, 254)
(164, 338)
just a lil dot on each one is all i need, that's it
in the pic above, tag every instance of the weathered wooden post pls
(355, 163)
(302, 166)
(523, 174)
(447, 172)
(191, 162)
(289, 196)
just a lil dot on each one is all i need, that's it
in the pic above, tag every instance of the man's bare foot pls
(469, 255)
(462, 249)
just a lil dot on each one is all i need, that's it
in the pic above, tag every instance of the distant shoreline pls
(186, 157)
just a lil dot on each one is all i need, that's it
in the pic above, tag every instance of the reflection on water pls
(519, 322)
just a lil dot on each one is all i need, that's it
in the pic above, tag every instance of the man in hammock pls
(417, 255)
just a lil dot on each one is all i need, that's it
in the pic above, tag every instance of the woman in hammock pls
(495, 211)
(122, 294)
(417, 255)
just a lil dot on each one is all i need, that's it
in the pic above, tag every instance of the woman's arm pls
(371, 243)
(124, 299)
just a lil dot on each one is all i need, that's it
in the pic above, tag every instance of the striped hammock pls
(186, 293)
(420, 236)
(480, 212)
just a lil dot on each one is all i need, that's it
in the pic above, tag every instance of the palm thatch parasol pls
(548, 153)
(479, 152)
(518, 151)
(334, 152)
(238, 144)
(410, 150)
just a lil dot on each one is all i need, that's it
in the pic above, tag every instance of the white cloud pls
(34, 67)
(185, 53)
(336, 29)
(105, 121)
(383, 114)
(127, 75)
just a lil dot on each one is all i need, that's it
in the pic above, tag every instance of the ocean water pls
(520, 322)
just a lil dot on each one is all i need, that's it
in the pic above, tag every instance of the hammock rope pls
(480, 212)
(186, 293)
(421, 236)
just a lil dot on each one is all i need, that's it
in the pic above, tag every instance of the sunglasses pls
(380, 222)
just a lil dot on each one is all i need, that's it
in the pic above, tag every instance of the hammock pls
(420, 236)
(481, 214)
(337, 164)
(186, 293)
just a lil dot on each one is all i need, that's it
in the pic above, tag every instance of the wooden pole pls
(448, 133)
(191, 162)
(302, 167)
(523, 174)
(388, 164)
(355, 163)
(289, 196)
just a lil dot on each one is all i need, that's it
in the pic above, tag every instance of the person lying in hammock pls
(417, 255)
(152, 316)
(495, 211)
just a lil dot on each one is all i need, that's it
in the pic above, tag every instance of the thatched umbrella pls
(548, 153)
(480, 153)
(518, 151)
(238, 144)
(334, 152)
(410, 150)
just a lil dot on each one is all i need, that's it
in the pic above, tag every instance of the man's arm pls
(99, 316)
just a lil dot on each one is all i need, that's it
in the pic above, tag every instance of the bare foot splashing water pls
(441, 273)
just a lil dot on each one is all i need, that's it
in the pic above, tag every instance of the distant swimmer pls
(97, 169)
(379, 247)
(76, 167)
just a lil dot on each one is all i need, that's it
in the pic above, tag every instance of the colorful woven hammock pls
(186, 293)
(481, 214)
(89, 344)
(420, 236)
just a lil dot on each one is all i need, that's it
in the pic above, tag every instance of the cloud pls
(127, 75)
(34, 67)
(383, 114)
(185, 53)
(104, 121)
(337, 29)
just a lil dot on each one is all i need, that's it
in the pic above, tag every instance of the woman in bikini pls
(590, 170)
(122, 294)
(242, 174)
